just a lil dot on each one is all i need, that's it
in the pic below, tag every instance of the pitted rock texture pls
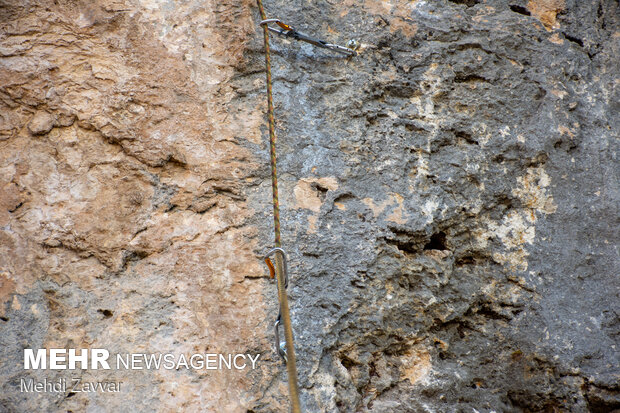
(449, 201)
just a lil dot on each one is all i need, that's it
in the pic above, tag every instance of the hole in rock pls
(321, 190)
(106, 313)
(437, 242)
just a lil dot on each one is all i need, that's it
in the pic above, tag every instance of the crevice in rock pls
(520, 9)
(344, 197)
(468, 3)
(16, 207)
(521, 285)
(76, 247)
(174, 160)
(131, 257)
(465, 260)
(573, 39)
(410, 126)
(470, 258)
(505, 312)
(464, 137)
(469, 78)
(601, 399)
(405, 241)
(460, 324)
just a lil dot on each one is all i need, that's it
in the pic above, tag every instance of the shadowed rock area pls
(449, 202)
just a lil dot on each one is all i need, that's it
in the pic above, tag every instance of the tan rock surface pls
(123, 211)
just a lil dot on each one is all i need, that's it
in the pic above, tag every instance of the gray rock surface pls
(471, 243)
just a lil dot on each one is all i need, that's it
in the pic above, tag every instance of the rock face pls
(449, 202)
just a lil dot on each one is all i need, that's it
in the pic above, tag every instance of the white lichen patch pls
(481, 133)
(416, 365)
(307, 193)
(532, 192)
(517, 228)
(513, 231)
(307, 196)
(429, 208)
(397, 214)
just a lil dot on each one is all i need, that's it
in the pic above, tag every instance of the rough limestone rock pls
(41, 123)
(449, 202)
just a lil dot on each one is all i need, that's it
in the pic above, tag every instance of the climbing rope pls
(285, 349)
(281, 276)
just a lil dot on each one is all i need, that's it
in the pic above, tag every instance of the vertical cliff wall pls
(449, 202)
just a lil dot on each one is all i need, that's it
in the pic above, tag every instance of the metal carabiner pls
(279, 22)
(289, 31)
(272, 269)
(280, 345)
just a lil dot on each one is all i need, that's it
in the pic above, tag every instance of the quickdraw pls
(289, 31)
(280, 345)
(279, 271)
